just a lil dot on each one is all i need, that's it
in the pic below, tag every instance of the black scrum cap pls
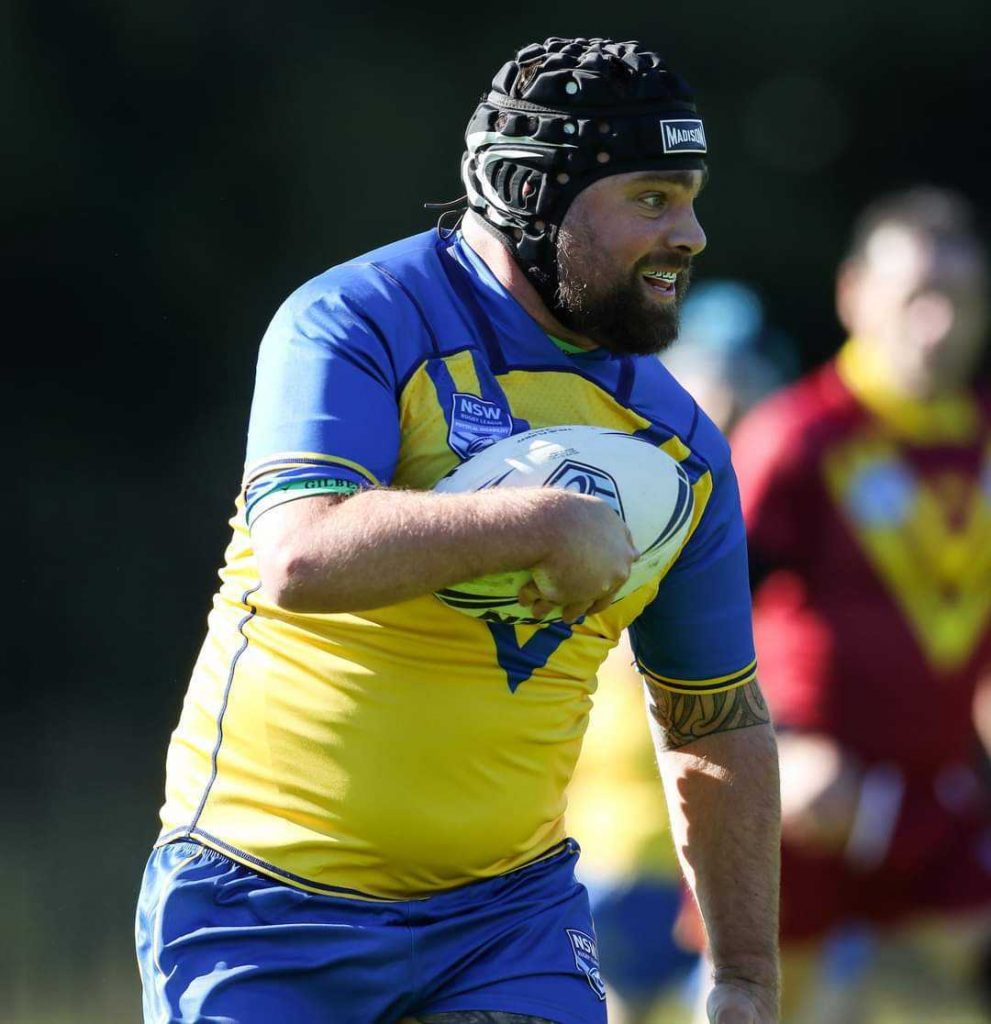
(563, 114)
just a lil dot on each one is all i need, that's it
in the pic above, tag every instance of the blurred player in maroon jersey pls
(867, 493)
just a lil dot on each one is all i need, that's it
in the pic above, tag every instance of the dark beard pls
(619, 318)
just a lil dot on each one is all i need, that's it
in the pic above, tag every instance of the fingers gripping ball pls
(643, 485)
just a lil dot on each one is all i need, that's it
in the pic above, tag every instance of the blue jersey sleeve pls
(325, 417)
(696, 636)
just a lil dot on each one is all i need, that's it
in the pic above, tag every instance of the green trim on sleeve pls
(294, 489)
(320, 485)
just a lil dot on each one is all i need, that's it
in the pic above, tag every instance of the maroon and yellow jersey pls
(872, 519)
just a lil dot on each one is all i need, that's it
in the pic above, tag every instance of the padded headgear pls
(561, 115)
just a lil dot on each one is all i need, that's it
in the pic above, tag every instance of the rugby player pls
(866, 493)
(365, 791)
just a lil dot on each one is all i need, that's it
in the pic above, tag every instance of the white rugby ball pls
(643, 485)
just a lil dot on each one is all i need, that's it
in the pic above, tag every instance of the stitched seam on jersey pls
(182, 832)
(695, 424)
(223, 707)
(565, 846)
(280, 874)
(412, 298)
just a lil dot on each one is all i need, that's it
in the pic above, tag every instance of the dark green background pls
(172, 171)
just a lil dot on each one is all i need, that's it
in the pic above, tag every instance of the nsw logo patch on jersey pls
(587, 959)
(475, 424)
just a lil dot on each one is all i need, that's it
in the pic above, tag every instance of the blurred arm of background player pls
(819, 804)
(821, 780)
(379, 547)
(729, 357)
(982, 712)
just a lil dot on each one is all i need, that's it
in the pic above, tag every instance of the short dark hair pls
(938, 213)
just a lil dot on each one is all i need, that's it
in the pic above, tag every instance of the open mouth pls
(662, 281)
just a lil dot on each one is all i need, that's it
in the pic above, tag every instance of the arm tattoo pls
(686, 717)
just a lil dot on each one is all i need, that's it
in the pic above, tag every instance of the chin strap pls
(453, 207)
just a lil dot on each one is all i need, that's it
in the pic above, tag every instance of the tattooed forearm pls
(686, 717)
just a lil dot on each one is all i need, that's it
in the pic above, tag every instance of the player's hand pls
(590, 552)
(820, 791)
(732, 1003)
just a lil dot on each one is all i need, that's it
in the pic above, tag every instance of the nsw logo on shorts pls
(475, 424)
(587, 959)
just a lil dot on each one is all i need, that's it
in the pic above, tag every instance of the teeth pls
(662, 275)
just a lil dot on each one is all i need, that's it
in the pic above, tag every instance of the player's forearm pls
(382, 546)
(724, 797)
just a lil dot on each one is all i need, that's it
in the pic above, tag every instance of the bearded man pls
(365, 791)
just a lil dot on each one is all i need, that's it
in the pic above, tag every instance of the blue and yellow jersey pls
(407, 749)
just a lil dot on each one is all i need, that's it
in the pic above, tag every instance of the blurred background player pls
(728, 357)
(867, 493)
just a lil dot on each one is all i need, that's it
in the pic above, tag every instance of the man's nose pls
(685, 234)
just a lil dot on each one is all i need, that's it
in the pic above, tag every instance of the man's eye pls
(655, 200)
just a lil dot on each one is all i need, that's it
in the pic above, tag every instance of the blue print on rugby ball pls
(590, 480)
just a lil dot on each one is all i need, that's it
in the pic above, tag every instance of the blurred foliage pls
(172, 171)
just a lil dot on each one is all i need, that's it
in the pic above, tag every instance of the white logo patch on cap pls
(685, 135)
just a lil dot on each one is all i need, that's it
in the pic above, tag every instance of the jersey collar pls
(508, 309)
(949, 419)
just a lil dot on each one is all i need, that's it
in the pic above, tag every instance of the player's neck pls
(511, 276)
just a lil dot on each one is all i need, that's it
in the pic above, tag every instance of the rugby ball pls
(643, 485)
